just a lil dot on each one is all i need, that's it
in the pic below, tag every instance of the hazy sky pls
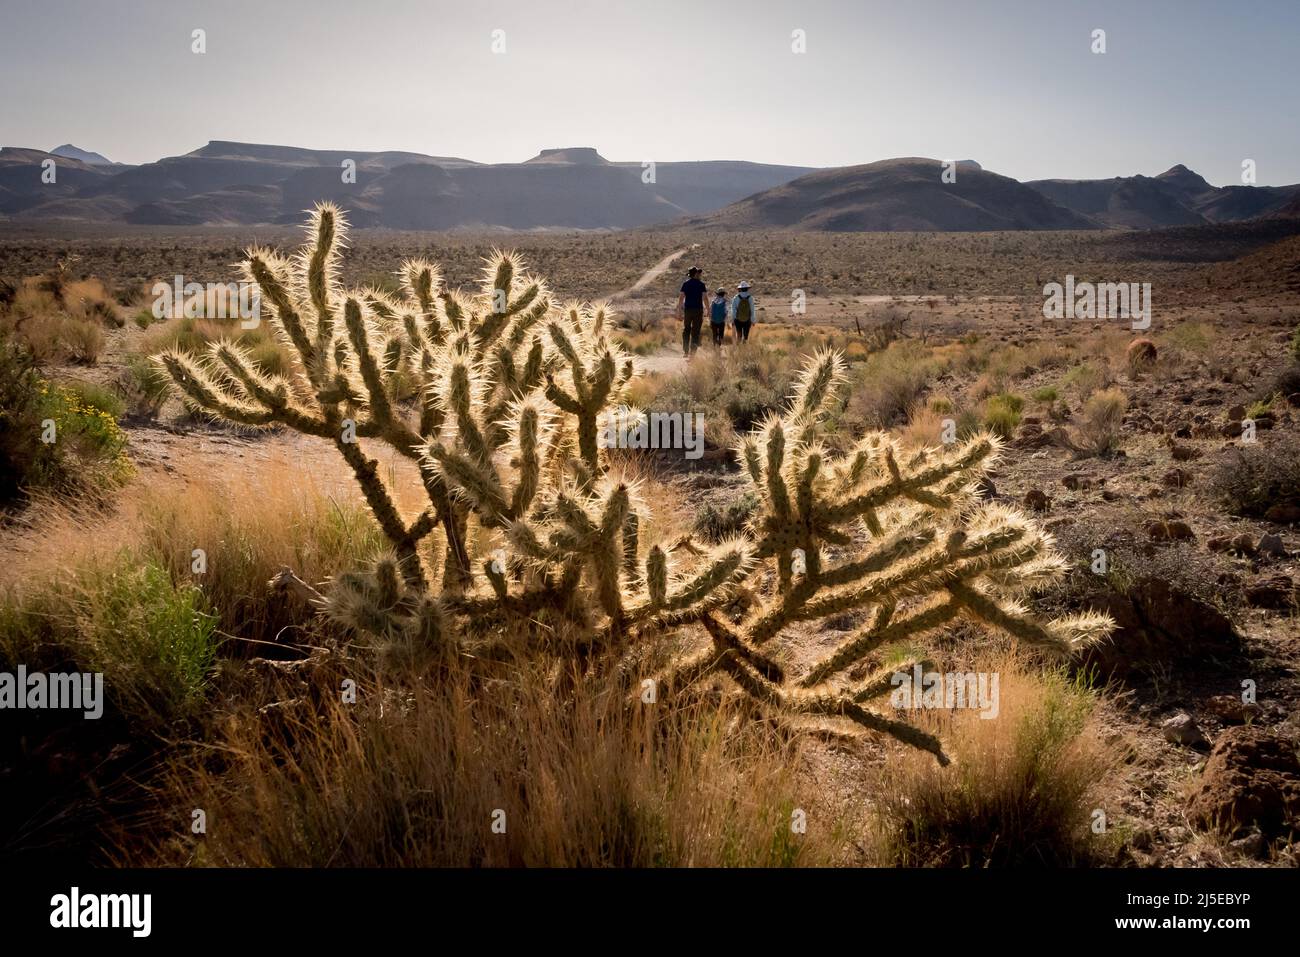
(1012, 84)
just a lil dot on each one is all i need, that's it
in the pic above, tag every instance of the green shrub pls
(1046, 395)
(145, 386)
(153, 640)
(24, 459)
(1002, 413)
(91, 395)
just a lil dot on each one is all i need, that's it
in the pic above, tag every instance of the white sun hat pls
(743, 286)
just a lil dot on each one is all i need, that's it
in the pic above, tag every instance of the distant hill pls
(898, 194)
(575, 187)
(1177, 197)
(251, 183)
(86, 156)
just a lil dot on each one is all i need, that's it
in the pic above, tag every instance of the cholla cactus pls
(901, 534)
(500, 397)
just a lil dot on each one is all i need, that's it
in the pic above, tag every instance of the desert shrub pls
(93, 396)
(1045, 395)
(1101, 423)
(1141, 355)
(1287, 382)
(87, 451)
(891, 382)
(1087, 377)
(1021, 790)
(1295, 344)
(197, 335)
(745, 385)
(1251, 478)
(152, 639)
(1262, 407)
(90, 442)
(1002, 413)
(1194, 337)
(717, 521)
(143, 385)
(24, 458)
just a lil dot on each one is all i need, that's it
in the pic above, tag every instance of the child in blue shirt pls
(718, 316)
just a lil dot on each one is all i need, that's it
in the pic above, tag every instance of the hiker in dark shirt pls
(690, 304)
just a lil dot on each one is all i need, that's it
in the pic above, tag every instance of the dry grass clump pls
(1021, 790)
(124, 593)
(466, 774)
(1101, 423)
(60, 320)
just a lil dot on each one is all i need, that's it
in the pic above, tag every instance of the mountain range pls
(228, 183)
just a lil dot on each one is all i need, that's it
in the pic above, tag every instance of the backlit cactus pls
(500, 396)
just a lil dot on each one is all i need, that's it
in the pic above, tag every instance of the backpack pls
(744, 309)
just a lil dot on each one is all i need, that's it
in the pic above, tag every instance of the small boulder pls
(1182, 729)
(1037, 500)
(1169, 530)
(1277, 592)
(1270, 546)
(1284, 514)
(1230, 709)
(1158, 625)
(1252, 777)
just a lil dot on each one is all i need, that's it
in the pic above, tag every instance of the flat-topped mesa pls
(572, 156)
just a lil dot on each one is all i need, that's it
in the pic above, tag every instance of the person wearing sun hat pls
(743, 312)
(690, 306)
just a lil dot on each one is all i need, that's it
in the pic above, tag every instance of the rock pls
(1285, 514)
(985, 488)
(1184, 453)
(1231, 431)
(1237, 413)
(1037, 500)
(1110, 495)
(1277, 592)
(1169, 530)
(1252, 777)
(1158, 626)
(1270, 546)
(1182, 729)
(1075, 481)
(1230, 709)
(1176, 478)
(1253, 844)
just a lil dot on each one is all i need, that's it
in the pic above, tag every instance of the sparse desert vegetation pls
(143, 542)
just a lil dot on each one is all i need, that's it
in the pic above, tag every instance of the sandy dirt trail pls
(653, 273)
